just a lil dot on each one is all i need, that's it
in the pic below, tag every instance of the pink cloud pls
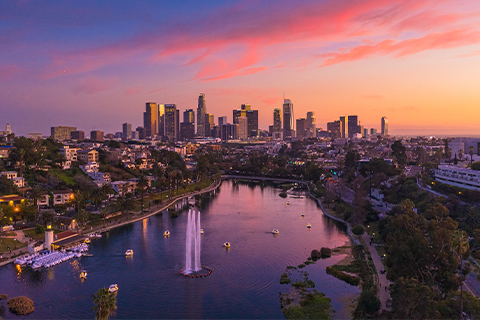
(450, 39)
(93, 85)
(8, 71)
(133, 90)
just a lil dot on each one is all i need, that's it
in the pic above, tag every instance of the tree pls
(399, 152)
(142, 183)
(105, 304)
(476, 165)
(460, 154)
(471, 152)
(460, 243)
(35, 193)
(82, 218)
(351, 159)
(368, 304)
(448, 154)
(413, 300)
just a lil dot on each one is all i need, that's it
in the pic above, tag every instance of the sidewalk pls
(383, 294)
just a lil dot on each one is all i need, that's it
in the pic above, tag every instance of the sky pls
(94, 64)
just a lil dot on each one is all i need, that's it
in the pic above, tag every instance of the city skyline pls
(410, 61)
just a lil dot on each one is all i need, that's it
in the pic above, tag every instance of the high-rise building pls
(335, 129)
(141, 132)
(277, 120)
(288, 128)
(150, 119)
(344, 127)
(373, 131)
(201, 111)
(222, 120)
(237, 114)
(160, 119)
(252, 122)
(187, 130)
(352, 126)
(215, 132)
(118, 135)
(311, 125)
(301, 127)
(127, 131)
(61, 133)
(384, 126)
(171, 122)
(365, 132)
(209, 124)
(243, 132)
(78, 135)
(189, 116)
(228, 131)
(96, 135)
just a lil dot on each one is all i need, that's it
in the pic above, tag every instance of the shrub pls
(315, 255)
(301, 266)
(358, 230)
(325, 252)
(284, 279)
(369, 302)
(283, 194)
(20, 306)
(3, 296)
(354, 281)
(39, 229)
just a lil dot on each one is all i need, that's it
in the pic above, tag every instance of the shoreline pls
(137, 216)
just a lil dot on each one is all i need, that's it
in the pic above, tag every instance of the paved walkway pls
(383, 282)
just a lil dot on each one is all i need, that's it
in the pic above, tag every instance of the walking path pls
(135, 217)
(383, 282)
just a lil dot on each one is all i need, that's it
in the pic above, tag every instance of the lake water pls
(245, 278)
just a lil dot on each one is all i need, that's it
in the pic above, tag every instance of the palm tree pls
(142, 183)
(35, 193)
(105, 304)
(471, 152)
(460, 243)
(97, 195)
(82, 217)
(104, 213)
(460, 154)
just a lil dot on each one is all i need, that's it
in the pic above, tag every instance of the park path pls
(383, 282)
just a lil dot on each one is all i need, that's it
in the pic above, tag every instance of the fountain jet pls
(193, 240)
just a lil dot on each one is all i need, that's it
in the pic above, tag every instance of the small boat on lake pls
(288, 203)
(201, 231)
(309, 225)
(275, 231)
(166, 233)
(113, 288)
(129, 252)
(303, 214)
(83, 275)
(226, 244)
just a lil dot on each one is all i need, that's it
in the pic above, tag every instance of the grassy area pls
(63, 175)
(9, 233)
(10, 242)
(31, 233)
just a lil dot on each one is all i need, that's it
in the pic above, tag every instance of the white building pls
(459, 177)
(69, 153)
(9, 174)
(62, 196)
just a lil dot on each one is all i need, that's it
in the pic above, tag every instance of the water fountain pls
(193, 268)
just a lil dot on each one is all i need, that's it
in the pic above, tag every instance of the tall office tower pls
(277, 120)
(201, 111)
(141, 132)
(252, 122)
(344, 121)
(384, 126)
(150, 119)
(127, 131)
(118, 135)
(187, 130)
(189, 116)
(361, 130)
(311, 125)
(352, 126)
(215, 132)
(222, 120)
(8, 129)
(160, 120)
(61, 133)
(246, 107)
(243, 132)
(237, 114)
(170, 120)
(373, 131)
(78, 135)
(335, 129)
(365, 132)
(228, 131)
(96, 135)
(288, 128)
(301, 127)
(209, 124)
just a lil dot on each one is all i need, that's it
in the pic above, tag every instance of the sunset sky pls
(94, 64)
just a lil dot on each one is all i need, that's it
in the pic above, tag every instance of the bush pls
(283, 194)
(301, 266)
(369, 302)
(315, 255)
(20, 306)
(174, 214)
(39, 229)
(358, 230)
(284, 279)
(354, 281)
(325, 252)
(3, 296)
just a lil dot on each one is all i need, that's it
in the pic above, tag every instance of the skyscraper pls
(301, 127)
(189, 116)
(252, 122)
(384, 126)
(352, 126)
(150, 119)
(171, 122)
(127, 131)
(288, 128)
(344, 126)
(277, 120)
(237, 114)
(61, 133)
(97, 135)
(201, 111)
(311, 125)
(243, 132)
(335, 129)
(222, 120)
(160, 119)
(209, 124)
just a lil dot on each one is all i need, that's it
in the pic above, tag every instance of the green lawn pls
(10, 242)
(31, 233)
(64, 175)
